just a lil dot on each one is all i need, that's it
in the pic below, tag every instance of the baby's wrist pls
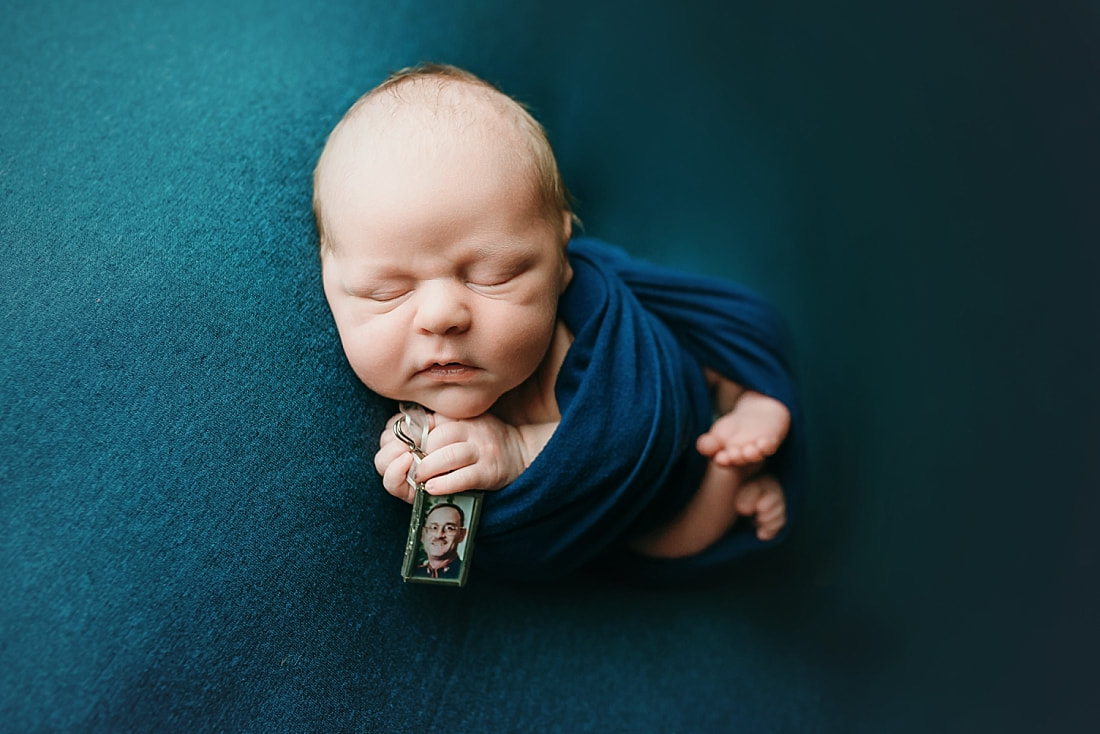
(532, 439)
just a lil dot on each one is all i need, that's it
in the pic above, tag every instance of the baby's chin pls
(459, 406)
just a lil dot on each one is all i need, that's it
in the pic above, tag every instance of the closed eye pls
(386, 294)
(490, 282)
(496, 276)
(386, 297)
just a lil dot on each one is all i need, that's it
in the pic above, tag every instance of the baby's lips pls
(446, 363)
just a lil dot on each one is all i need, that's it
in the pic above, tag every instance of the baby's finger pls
(387, 454)
(392, 465)
(395, 478)
(446, 459)
(445, 433)
(460, 480)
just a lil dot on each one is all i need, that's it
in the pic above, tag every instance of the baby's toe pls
(708, 445)
(750, 452)
(769, 502)
(747, 453)
(772, 516)
(768, 525)
(730, 456)
(761, 448)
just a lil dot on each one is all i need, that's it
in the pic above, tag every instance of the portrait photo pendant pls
(440, 544)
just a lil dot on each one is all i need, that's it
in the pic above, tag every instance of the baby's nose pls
(443, 308)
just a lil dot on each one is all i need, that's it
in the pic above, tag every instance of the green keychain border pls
(420, 508)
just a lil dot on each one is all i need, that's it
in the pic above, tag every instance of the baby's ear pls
(566, 274)
(567, 225)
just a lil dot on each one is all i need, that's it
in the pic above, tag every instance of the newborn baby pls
(445, 234)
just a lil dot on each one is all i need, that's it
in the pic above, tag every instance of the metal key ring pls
(399, 431)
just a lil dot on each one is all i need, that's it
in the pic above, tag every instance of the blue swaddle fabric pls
(633, 400)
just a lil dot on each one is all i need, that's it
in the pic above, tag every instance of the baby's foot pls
(763, 500)
(749, 433)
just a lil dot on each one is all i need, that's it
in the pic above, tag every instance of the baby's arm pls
(473, 453)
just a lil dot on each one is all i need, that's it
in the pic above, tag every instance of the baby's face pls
(444, 276)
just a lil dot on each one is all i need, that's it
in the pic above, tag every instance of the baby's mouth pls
(449, 371)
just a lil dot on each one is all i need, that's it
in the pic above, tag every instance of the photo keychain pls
(441, 530)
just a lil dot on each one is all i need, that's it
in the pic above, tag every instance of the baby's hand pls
(474, 453)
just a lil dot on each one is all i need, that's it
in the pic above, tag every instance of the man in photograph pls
(442, 532)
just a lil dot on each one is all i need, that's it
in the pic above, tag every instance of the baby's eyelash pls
(386, 296)
(489, 282)
(378, 295)
(498, 277)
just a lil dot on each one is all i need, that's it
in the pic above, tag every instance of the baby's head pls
(434, 96)
(443, 222)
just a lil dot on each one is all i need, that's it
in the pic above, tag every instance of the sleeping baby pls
(450, 265)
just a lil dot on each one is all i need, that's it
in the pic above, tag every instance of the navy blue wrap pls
(633, 400)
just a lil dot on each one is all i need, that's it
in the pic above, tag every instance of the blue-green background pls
(193, 538)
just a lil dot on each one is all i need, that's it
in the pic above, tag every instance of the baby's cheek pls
(375, 368)
(373, 360)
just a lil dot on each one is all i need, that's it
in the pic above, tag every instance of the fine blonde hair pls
(553, 197)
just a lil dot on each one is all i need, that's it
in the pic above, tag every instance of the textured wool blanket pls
(633, 400)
